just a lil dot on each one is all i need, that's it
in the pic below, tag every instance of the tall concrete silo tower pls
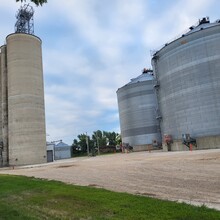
(138, 111)
(3, 108)
(25, 135)
(188, 74)
(26, 117)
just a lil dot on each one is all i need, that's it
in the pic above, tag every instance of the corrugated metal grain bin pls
(62, 151)
(188, 72)
(137, 112)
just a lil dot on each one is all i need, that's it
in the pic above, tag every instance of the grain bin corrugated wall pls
(27, 136)
(188, 71)
(137, 112)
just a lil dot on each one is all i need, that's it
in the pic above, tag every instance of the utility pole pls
(87, 143)
(97, 143)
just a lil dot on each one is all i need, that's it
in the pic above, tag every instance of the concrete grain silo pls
(26, 124)
(22, 111)
(137, 112)
(3, 108)
(188, 77)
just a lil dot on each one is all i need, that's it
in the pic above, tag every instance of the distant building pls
(62, 151)
(50, 152)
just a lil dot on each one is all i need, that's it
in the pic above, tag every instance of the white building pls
(62, 151)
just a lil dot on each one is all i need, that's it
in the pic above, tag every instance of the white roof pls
(143, 77)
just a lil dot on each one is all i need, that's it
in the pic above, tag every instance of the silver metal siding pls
(188, 71)
(137, 103)
(62, 152)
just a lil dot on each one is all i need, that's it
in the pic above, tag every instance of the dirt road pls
(192, 177)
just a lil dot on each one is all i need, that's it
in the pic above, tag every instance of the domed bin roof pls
(146, 75)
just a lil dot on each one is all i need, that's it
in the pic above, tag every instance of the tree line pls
(98, 139)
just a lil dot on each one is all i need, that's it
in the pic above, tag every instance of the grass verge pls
(30, 198)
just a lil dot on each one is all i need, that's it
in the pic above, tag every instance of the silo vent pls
(204, 20)
(145, 70)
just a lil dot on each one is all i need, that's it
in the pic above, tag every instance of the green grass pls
(30, 198)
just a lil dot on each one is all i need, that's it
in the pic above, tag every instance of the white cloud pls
(57, 62)
(172, 22)
(93, 47)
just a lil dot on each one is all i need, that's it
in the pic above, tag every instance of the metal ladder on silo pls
(156, 89)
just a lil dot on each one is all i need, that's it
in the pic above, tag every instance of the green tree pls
(82, 142)
(75, 145)
(75, 142)
(98, 138)
(36, 2)
(111, 137)
(118, 140)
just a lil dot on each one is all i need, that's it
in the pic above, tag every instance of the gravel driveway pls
(192, 177)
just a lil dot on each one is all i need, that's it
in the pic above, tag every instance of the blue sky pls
(93, 47)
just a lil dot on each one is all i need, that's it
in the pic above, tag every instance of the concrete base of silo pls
(145, 147)
(211, 142)
(175, 146)
(5, 159)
